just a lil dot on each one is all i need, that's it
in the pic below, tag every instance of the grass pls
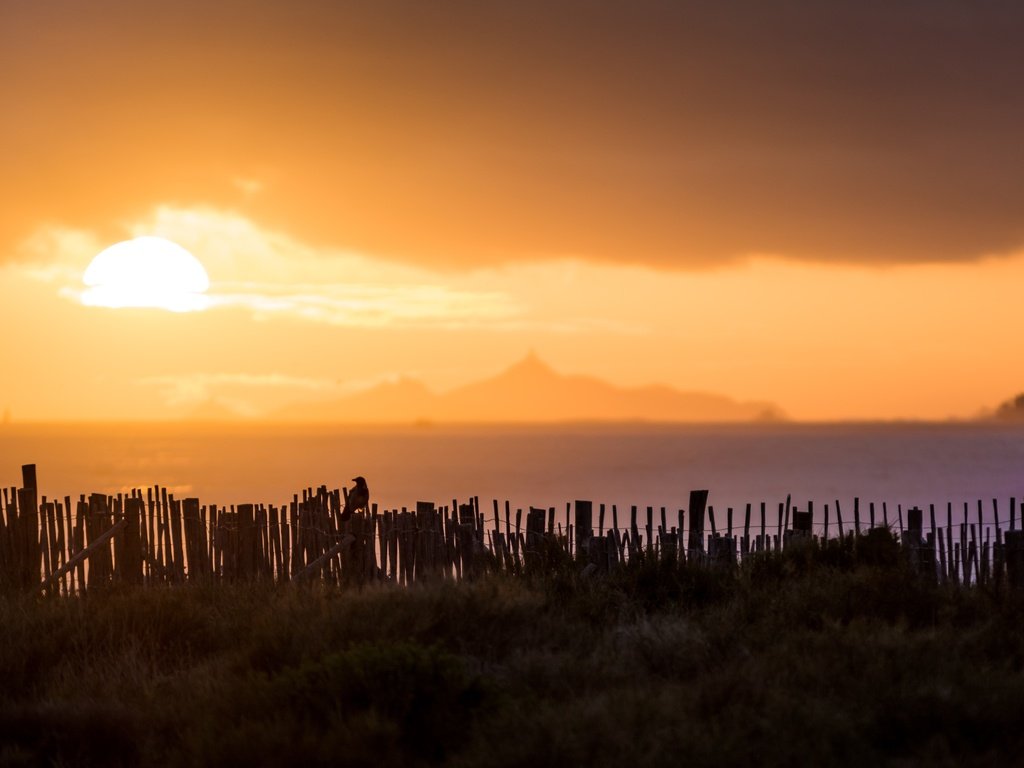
(805, 659)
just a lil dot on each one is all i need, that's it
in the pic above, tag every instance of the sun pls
(146, 272)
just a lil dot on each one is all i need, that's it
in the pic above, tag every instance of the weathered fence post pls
(695, 515)
(535, 553)
(131, 551)
(246, 541)
(803, 524)
(952, 575)
(193, 550)
(28, 526)
(745, 548)
(912, 537)
(1014, 544)
(721, 551)
(177, 550)
(584, 526)
(634, 533)
(466, 540)
(97, 522)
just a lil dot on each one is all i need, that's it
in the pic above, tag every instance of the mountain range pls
(529, 391)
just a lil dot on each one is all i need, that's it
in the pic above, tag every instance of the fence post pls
(97, 522)
(103, 541)
(467, 554)
(177, 549)
(193, 553)
(246, 540)
(912, 537)
(1014, 543)
(584, 526)
(131, 568)
(28, 521)
(536, 545)
(803, 522)
(695, 514)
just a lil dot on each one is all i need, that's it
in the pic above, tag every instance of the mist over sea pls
(645, 465)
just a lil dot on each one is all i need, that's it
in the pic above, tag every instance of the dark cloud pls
(677, 134)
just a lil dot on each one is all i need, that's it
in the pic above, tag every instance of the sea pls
(953, 466)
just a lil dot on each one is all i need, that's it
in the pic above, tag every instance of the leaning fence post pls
(321, 561)
(103, 540)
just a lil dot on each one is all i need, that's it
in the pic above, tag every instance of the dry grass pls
(811, 660)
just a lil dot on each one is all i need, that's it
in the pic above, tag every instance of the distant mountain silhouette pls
(530, 390)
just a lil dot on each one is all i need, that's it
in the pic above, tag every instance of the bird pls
(358, 497)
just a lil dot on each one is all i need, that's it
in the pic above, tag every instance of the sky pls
(813, 204)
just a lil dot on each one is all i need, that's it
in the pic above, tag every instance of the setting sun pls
(146, 272)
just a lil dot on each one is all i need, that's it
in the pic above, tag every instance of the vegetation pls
(1011, 410)
(814, 657)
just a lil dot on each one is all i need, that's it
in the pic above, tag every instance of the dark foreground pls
(790, 661)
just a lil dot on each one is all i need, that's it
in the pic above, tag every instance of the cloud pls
(677, 135)
(56, 254)
(370, 306)
(271, 275)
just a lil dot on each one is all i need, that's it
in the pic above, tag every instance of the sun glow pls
(146, 272)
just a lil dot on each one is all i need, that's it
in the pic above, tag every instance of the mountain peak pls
(531, 365)
(531, 390)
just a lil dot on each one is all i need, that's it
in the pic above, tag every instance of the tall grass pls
(813, 658)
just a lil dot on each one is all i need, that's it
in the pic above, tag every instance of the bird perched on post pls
(358, 497)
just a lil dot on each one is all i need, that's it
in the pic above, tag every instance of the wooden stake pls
(85, 553)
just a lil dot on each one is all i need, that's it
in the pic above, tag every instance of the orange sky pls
(817, 204)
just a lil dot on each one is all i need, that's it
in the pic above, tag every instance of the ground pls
(789, 661)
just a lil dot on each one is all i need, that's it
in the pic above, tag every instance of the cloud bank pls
(677, 135)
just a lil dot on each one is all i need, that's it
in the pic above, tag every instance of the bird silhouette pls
(358, 498)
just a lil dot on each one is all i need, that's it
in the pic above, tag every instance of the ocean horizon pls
(900, 464)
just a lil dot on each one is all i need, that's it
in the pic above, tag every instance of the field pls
(793, 658)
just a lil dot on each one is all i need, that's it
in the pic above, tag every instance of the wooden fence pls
(153, 538)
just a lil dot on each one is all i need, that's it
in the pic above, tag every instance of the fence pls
(152, 538)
